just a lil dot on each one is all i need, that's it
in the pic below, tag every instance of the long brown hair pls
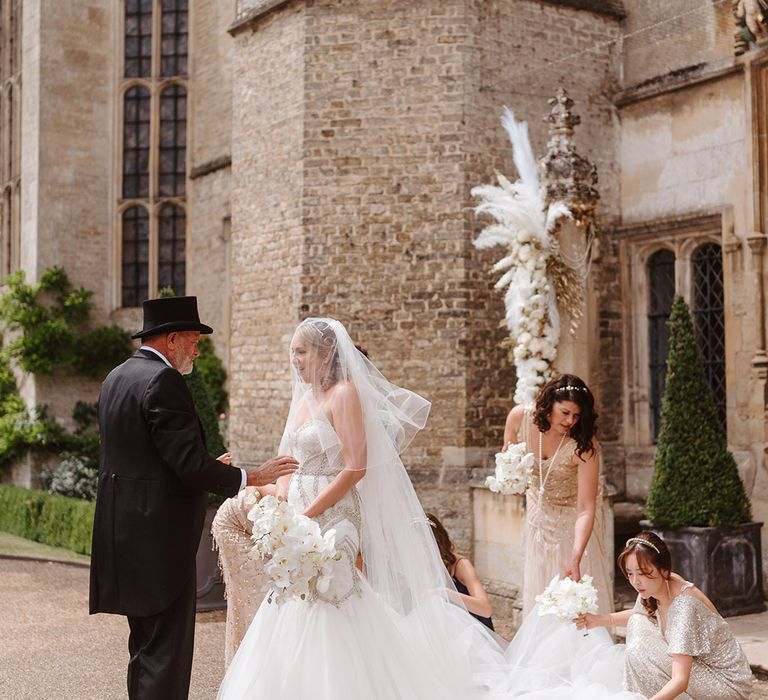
(568, 387)
(651, 552)
(444, 544)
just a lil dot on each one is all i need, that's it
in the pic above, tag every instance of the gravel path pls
(50, 648)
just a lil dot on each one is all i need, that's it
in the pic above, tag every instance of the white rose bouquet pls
(513, 470)
(300, 560)
(567, 599)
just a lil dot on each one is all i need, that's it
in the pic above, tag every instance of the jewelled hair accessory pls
(571, 388)
(640, 540)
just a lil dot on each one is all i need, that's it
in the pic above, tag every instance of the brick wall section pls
(513, 42)
(665, 36)
(267, 135)
(400, 110)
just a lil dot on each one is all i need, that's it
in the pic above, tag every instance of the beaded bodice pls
(559, 472)
(316, 447)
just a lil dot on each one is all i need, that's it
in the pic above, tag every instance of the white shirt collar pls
(158, 353)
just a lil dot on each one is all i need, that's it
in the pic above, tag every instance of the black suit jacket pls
(154, 475)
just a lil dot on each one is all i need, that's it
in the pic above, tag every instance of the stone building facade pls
(327, 149)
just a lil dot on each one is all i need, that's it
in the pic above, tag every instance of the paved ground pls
(51, 648)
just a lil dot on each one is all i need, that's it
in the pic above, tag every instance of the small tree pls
(695, 478)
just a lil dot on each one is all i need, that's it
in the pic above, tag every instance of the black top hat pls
(171, 314)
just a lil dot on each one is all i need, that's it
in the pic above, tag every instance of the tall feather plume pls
(522, 152)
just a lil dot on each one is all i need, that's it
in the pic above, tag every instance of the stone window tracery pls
(151, 208)
(10, 134)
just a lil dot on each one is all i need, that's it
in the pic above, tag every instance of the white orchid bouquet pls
(513, 470)
(524, 226)
(567, 599)
(299, 558)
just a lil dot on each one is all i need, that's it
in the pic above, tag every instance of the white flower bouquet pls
(567, 599)
(300, 559)
(513, 470)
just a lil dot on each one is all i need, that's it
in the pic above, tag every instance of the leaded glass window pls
(709, 317)
(174, 38)
(135, 256)
(136, 143)
(661, 293)
(173, 141)
(154, 147)
(172, 249)
(138, 38)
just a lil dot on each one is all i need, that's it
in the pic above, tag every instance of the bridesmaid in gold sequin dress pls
(564, 523)
(678, 646)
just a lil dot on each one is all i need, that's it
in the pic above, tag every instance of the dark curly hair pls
(444, 544)
(569, 387)
(651, 552)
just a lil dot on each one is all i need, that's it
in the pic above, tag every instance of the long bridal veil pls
(401, 561)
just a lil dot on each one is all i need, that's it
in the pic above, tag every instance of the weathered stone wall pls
(209, 153)
(67, 163)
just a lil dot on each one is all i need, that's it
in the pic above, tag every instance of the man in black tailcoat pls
(154, 477)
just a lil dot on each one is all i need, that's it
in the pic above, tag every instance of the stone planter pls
(725, 563)
(210, 587)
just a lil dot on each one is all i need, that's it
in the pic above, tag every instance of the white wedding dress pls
(345, 643)
(396, 633)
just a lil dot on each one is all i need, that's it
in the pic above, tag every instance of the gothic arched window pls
(173, 141)
(135, 256)
(154, 163)
(138, 38)
(174, 38)
(136, 143)
(661, 293)
(709, 317)
(173, 230)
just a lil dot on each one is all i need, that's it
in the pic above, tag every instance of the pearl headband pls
(571, 388)
(640, 540)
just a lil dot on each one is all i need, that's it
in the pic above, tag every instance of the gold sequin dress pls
(243, 574)
(720, 670)
(550, 521)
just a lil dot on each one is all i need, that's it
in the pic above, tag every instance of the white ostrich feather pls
(522, 153)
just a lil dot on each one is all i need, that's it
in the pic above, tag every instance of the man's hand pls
(271, 471)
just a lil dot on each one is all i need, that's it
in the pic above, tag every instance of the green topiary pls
(695, 478)
(213, 374)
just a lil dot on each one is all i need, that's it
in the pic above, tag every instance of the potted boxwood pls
(696, 500)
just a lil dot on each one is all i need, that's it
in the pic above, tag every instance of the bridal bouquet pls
(567, 599)
(513, 470)
(299, 558)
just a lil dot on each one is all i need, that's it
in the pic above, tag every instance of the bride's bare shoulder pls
(515, 416)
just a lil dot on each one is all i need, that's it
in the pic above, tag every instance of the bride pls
(388, 626)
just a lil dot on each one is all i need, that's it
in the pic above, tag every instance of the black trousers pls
(161, 649)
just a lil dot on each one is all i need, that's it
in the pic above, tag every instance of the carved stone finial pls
(568, 176)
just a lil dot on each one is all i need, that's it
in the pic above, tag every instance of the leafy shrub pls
(50, 319)
(47, 518)
(695, 479)
(75, 477)
(212, 374)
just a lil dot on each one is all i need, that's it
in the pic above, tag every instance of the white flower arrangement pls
(524, 226)
(299, 559)
(567, 599)
(513, 470)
